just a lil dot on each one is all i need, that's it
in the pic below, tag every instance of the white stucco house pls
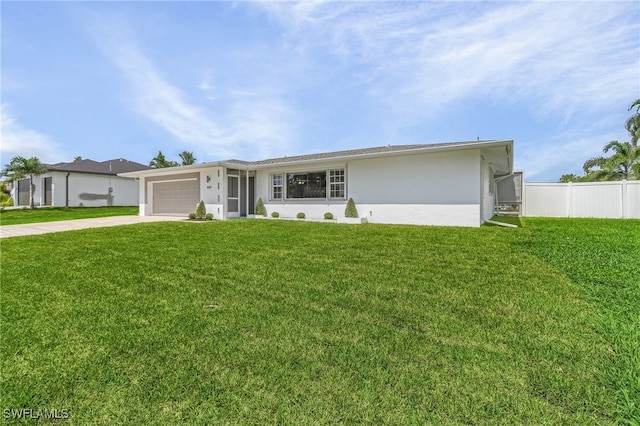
(424, 184)
(82, 183)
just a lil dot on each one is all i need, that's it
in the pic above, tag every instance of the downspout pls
(67, 189)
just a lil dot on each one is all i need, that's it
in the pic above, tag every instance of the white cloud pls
(420, 56)
(17, 140)
(228, 125)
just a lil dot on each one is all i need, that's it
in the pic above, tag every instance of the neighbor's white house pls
(426, 184)
(82, 183)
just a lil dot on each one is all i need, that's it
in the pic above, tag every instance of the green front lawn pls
(256, 322)
(53, 214)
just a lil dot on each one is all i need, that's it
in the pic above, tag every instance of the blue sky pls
(254, 80)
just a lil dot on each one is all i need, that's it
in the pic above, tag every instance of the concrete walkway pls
(72, 225)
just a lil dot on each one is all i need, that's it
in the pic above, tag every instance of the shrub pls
(300, 215)
(260, 210)
(351, 210)
(201, 211)
(5, 199)
(328, 215)
(192, 216)
(275, 214)
(208, 216)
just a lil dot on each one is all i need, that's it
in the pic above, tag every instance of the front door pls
(244, 198)
(233, 196)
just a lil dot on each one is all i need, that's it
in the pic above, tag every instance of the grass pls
(54, 214)
(245, 322)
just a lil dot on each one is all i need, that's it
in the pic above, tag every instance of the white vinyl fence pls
(586, 199)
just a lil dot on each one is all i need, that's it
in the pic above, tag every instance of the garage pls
(177, 196)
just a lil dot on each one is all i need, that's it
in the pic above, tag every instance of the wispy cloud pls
(18, 140)
(226, 125)
(424, 55)
(572, 64)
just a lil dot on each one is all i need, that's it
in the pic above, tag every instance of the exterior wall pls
(85, 189)
(96, 190)
(586, 199)
(428, 189)
(212, 192)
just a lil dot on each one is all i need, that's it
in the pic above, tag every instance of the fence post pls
(570, 200)
(624, 199)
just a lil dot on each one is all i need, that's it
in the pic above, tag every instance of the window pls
(307, 185)
(276, 187)
(324, 184)
(336, 183)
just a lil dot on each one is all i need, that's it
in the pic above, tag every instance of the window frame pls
(340, 185)
(335, 180)
(280, 186)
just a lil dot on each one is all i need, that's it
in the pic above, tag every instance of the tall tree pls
(621, 164)
(20, 168)
(159, 161)
(187, 158)
(633, 123)
(571, 177)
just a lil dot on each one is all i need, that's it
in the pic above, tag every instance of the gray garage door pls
(176, 198)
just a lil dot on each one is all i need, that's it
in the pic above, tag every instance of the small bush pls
(208, 216)
(351, 210)
(275, 214)
(5, 200)
(201, 211)
(300, 215)
(260, 210)
(192, 216)
(328, 215)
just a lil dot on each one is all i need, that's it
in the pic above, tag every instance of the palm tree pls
(159, 161)
(20, 168)
(633, 123)
(621, 165)
(570, 178)
(187, 158)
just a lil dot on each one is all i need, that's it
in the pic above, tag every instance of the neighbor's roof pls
(109, 167)
(380, 151)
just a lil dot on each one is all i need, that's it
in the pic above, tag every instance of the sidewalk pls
(72, 225)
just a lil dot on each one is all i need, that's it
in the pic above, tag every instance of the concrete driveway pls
(72, 225)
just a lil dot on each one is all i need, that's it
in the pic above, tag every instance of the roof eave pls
(176, 169)
(392, 153)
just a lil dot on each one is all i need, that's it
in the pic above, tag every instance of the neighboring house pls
(434, 184)
(83, 183)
